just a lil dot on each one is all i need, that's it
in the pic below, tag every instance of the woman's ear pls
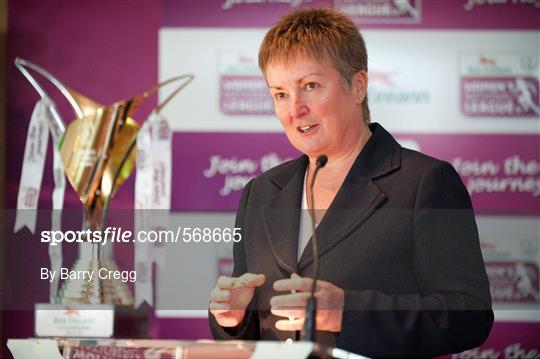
(359, 85)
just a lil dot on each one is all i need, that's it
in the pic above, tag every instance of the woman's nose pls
(298, 107)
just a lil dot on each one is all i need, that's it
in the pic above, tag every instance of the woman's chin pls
(312, 152)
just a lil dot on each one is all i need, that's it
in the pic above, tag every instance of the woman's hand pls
(231, 296)
(330, 301)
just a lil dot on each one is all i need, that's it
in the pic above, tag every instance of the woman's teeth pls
(305, 129)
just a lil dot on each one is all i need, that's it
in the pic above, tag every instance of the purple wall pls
(430, 14)
(107, 50)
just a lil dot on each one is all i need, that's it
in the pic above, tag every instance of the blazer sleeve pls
(452, 311)
(248, 328)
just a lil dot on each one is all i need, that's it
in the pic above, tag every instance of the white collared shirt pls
(305, 232)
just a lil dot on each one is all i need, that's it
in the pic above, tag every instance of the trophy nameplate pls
(82, 321)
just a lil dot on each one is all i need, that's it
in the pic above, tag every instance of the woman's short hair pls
(323, 33)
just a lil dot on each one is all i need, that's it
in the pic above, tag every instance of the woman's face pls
(319, 116)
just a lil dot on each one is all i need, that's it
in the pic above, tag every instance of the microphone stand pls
(308, 332)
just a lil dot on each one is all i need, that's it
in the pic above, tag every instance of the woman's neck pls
(333, 175)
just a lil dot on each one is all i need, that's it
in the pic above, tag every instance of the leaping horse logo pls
(525, 92)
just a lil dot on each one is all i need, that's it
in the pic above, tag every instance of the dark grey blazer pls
(400, 238)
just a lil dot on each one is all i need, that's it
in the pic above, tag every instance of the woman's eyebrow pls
(297, 81)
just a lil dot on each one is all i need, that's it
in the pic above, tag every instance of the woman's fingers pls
(250, 280)
(297, 284)
(290, 300)
(225, 282)
(291, 313)
(218, 308)
(290, 325)
(220, 295)
(289, 305)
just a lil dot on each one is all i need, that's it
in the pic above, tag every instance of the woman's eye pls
(310, 86)
(280, 96)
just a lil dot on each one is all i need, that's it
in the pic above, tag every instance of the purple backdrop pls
(502, 172)
(422, 14)
(107, 50)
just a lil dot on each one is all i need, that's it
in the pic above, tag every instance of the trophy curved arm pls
(130, 107)
(160, 106)
(22, 64)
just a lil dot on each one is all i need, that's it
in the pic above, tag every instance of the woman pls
(400, 263)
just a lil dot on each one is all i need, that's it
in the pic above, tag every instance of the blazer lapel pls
(358, 197)
(282, 214)
(353, 204)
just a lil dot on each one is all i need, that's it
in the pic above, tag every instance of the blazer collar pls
(380, 155)
(355, 201)
(282, 214)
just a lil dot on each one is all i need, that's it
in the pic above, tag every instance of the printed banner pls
(213, 168)
(507, 340)
(381, 12)
(452, 89)
(118, 352)
(500, 85)
(510, 247)
(501, 172)
(406, 14)
(242, 88)
(513, 282)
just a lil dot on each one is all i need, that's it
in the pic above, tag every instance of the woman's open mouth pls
(305, 129)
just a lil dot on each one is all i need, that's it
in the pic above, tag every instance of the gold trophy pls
(98, 152)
